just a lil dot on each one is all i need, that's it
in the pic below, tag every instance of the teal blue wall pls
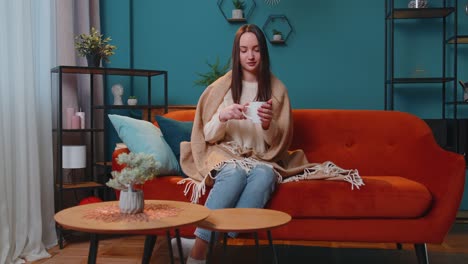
(334, 58)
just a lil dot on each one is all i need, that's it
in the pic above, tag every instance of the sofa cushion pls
(142, 136)
(382, 196)
(174, 132)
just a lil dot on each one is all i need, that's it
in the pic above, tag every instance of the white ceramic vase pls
(237, 14)
(418, 4)
(277, 37)
(132, 101)
(131, 202)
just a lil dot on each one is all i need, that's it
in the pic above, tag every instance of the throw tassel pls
(198, 189)
(329, 171)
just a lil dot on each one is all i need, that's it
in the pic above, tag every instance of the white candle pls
(82, 118)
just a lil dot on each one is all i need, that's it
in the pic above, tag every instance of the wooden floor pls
(129, 249)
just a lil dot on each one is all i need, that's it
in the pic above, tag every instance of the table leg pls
(210, 247)
(171, 253)
(93, 248)
(60, 236)
(148, 249)
(179, 245)
(257, 247)
(225, 245)
(270, 241)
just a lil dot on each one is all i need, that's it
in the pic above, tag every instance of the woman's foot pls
(191, 260)
(187, 245)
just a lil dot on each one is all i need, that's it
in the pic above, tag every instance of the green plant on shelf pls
(94, 44)
(238, 4)
(277, 32)
(132, 97)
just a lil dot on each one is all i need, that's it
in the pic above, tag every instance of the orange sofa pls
(412, 191)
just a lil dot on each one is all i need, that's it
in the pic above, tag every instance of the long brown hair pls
(263, 77)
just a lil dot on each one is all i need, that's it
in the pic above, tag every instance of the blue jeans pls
(234, 188)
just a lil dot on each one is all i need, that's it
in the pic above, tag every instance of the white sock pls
(187, 245)
(190, 260)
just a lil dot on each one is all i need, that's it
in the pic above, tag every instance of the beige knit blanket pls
(200, 159)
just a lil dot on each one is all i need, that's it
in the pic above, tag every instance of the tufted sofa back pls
(372, 141)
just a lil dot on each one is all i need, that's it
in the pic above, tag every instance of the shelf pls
(104, 163)
(421, 80)
(458, 102)
(277, 41)
(461, 39)
(81, 130)
(82, 185)
(128, 107)
(106, 71)
(408, 13)
(236, 20)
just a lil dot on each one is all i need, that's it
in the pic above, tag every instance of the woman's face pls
(249, 53)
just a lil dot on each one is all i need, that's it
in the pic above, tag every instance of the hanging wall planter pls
(277, 29)
(239, 10)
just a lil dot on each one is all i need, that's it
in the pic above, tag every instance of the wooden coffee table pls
(244, 220)
(78, 218)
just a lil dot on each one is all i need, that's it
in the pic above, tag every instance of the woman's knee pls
(264, 175)
(233, 174)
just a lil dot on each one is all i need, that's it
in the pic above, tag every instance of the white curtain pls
(73, 18)
(26, 179)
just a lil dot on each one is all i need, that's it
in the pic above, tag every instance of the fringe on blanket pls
(328, 171)
(324, 171)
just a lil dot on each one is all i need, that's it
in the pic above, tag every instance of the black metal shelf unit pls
(450, 126)
(94, 135)
(392, 14)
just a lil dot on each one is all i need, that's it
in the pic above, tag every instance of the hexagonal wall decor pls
(228, 10)
(277, 29)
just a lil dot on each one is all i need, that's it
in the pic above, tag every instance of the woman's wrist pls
(221, 118)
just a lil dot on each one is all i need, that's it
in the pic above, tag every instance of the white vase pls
(237, 13)
(131, 202)
(418, 4)
(277, 37)
(132, 101)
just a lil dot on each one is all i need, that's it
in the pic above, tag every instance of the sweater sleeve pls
(215, 129)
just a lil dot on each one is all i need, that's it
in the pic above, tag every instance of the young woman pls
(240, 159)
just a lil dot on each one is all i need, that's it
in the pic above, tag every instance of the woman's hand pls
(233, 111)
(265, 112)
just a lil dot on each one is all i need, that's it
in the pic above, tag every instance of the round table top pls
(244, 220)
(77, 218)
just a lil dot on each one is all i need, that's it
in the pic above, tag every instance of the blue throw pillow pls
(142, 136)
(174, 132)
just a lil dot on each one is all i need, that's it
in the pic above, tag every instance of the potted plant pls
(139, 168)
(237, 12)
(277, 35)
(94, 47)
(215, 72)
(132, 100)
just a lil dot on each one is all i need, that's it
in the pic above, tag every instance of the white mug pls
(251, 112)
